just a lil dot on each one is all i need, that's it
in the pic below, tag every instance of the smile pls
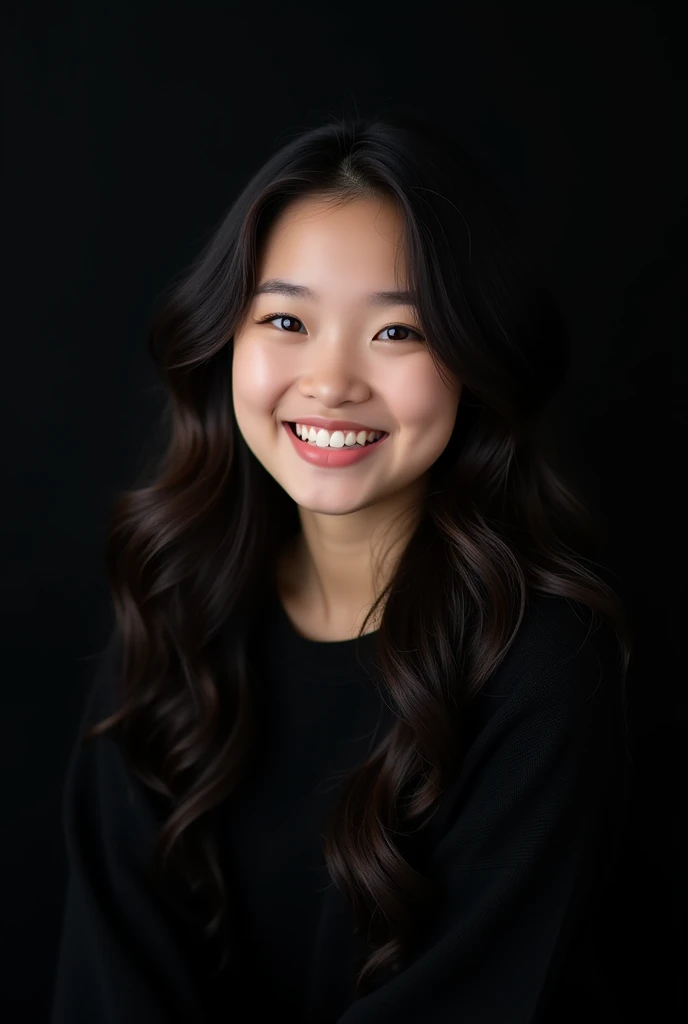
(330, 456)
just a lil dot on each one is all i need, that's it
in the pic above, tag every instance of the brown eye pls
(288, 321)
(407, 333)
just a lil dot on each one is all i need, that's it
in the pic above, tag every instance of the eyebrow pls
(276, 286)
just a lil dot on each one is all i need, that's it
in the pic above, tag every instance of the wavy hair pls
(193, 544)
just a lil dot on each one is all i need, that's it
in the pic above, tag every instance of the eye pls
(405, 331)
(291, 320)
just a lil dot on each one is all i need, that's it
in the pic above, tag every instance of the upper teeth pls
(337, 438)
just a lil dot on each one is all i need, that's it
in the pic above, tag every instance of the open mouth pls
(366, 444)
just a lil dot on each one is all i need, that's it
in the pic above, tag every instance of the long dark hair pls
(192, 547)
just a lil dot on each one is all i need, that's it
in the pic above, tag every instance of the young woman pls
(357, 750)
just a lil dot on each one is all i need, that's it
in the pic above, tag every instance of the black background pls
(129, 128)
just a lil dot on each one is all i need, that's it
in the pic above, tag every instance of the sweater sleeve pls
(119, 958)
(533, 829)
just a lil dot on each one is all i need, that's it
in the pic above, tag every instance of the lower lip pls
(330, 458)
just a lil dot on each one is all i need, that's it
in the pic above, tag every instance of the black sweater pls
(524, 846)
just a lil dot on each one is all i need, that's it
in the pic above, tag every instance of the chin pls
(336, 503)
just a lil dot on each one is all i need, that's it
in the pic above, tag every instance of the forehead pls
(359, 241)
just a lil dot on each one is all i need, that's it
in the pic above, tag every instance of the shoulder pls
(556, 697)
(560, 674)
(561, 648)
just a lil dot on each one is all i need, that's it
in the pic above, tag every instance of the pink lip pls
(330, 458)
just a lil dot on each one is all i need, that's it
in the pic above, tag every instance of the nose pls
(333, 383)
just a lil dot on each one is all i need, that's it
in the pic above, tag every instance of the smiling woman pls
(356, 751)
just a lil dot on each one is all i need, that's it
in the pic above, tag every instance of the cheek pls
(258, 379)
(422, 402)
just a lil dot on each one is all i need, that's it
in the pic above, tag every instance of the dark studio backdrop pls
(129, 129)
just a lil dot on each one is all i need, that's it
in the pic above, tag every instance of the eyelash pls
(290, 316)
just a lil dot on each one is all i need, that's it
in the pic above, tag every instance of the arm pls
(119, 961)
(532, 831)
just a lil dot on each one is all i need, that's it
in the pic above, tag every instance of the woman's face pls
(335, 357)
